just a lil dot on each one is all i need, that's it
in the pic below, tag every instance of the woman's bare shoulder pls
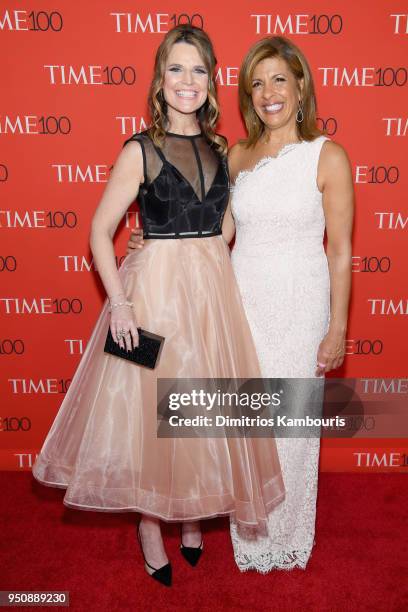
(237, 150)
(131, 153)
(237, 156)
(333, 154)
(334, 166)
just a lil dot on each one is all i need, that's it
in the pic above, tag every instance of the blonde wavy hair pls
(208, 114)
(277, 46)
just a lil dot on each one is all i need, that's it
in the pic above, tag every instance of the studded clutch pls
(146, 354)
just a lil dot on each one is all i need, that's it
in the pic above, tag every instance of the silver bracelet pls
(117, 304)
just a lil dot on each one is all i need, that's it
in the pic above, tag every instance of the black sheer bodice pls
(185, 188)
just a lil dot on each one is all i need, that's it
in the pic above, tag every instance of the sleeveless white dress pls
(282, 273)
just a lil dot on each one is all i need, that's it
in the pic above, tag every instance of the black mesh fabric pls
(186, 186)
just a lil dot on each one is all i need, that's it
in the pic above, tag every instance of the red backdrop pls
(75, 79)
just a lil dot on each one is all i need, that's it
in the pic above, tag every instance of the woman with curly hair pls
(103, 446)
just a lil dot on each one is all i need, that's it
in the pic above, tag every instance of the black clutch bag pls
(146, 354)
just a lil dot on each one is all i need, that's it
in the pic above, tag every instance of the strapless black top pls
(185, 189)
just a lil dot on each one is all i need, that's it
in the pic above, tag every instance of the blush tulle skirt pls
(103, 445)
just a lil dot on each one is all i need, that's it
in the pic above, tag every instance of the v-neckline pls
(188, 182)
(164, 160)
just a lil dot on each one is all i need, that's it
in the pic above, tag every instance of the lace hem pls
(277, 560)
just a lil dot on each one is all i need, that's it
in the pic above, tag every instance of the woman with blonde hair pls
(103, 445)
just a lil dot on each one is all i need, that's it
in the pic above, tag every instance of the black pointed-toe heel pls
(162, 574)
(191, 554)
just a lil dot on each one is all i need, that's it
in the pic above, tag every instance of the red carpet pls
(360, 561)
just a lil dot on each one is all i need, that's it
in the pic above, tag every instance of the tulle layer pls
(103, 446)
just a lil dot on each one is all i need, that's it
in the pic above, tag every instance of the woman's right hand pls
(135, 240)
(123, 319)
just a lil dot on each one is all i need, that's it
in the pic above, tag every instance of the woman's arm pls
(228, 223)
(120, 191)
(336, 183)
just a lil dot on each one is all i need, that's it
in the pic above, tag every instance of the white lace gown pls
(282, 272)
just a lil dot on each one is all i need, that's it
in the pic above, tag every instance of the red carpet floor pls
(360, 561)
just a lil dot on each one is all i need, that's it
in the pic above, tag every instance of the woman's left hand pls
(331, 352)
